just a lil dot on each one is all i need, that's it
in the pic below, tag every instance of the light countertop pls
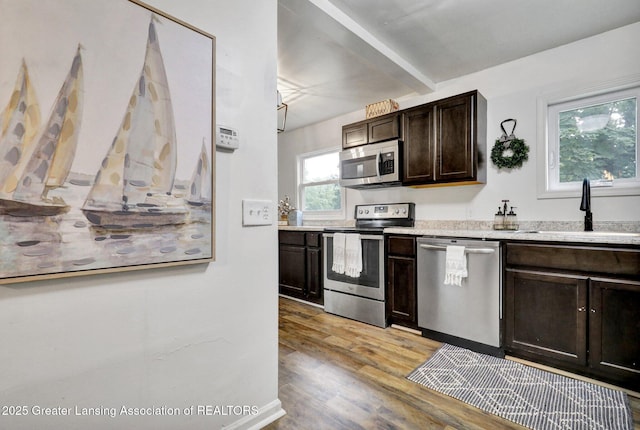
(601, 237)
(301, 227)
(480, 231)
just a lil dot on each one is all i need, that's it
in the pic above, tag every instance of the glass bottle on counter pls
(498, 220)
(511, 220)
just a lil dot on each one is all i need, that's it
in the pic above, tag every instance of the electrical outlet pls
(257, 212)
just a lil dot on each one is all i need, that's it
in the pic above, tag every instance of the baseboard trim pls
(265, 416)
(407, 329)
(295, 299)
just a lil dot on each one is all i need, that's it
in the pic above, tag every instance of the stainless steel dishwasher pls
(468, 315)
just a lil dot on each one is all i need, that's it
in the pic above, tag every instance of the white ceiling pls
(337, 56)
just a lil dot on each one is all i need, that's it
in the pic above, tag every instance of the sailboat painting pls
(106, 155)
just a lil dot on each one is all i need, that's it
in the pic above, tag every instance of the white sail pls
(20, 121)
(70, 125)
(200, 190)
(46, 165)
(142, 158)
(135, 181)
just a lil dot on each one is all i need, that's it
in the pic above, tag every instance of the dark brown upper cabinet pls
(379, 129)
(445, 141)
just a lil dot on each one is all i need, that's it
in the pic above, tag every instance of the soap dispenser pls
(511, 220)
(498, 220)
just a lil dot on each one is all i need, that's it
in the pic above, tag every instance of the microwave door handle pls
(378, 157)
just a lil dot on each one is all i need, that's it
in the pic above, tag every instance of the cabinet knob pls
(593, 311)
(582, 309)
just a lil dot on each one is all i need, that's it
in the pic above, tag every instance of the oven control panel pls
(385, 211)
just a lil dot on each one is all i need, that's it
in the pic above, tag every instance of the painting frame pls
(150, 201)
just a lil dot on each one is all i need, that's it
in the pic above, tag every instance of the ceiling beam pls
(342, 29)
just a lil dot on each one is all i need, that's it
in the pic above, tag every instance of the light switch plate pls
(257, 212)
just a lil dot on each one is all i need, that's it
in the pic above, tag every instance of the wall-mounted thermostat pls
(227, 138)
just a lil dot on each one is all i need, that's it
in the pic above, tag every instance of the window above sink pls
(589, 133)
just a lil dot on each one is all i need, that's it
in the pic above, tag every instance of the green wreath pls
(517, 146)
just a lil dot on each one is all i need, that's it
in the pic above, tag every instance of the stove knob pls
(360, 211)
(397, 211)
(366, 211)
(404, 211)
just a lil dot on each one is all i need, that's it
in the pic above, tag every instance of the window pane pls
(321, 198)
(598, 141)
(320, 168)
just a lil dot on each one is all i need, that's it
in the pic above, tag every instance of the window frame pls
(551, 104)
(300, 186)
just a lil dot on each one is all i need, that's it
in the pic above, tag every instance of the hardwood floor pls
(336, 373)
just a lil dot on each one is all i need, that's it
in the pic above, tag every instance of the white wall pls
(195, 335)
(511, 91)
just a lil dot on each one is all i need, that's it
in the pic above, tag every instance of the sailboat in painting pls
(35, 169)
(19, 123)
(201, 181)
(134, 186)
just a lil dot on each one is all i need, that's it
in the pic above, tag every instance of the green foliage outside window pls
(598, 142)
(322, 197)
(319, 187)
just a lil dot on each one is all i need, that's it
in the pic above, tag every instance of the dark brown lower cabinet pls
(300, 260)
(614, 330)
(293, 276)
(401, 294)
(314, 274)
(546, 316)
(576, 308)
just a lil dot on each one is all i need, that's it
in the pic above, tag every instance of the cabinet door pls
(418, 146)
(546, 317)
(354, 135)
(385, 128)
(314, 275)
(614, 330)
(455, 151)
(401, 291)
(292, 270)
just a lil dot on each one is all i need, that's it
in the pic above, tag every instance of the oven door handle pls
(466, 250)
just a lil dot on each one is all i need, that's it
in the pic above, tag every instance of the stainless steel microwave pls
(369, 166)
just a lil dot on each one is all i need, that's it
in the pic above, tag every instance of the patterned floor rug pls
(530, 397)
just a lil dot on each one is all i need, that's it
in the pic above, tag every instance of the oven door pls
(370, 283)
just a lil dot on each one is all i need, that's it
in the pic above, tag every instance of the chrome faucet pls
(585, 205)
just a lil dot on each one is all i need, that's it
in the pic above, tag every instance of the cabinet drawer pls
(591, 259)
(291, 237)
(314, 239)
(399, 245)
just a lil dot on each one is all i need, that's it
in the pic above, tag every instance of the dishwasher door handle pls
(466, 250)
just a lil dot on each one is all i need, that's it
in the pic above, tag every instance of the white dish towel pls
(353, 253)
(455, 265)
(339, 240)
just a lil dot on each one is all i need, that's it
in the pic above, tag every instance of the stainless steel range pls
(354, 269)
